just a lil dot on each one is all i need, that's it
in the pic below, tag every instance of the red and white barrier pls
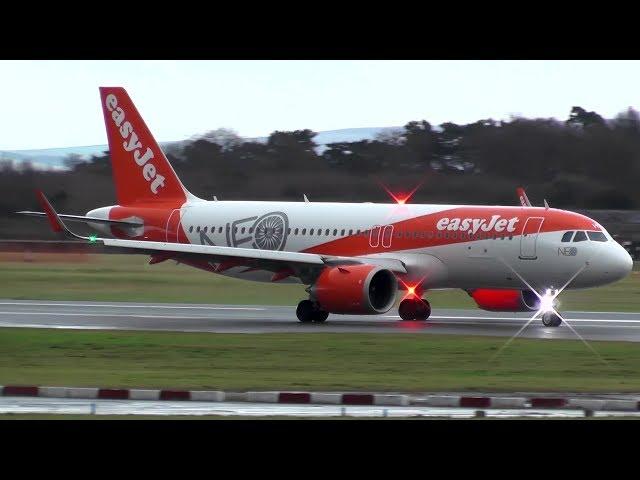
(452, 401)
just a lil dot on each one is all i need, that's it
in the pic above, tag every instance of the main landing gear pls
(551, 319)
(309, 311)
(414, 309)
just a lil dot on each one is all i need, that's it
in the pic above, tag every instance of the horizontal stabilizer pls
(82, 219)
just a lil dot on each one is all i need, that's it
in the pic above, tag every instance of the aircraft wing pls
(216, 258)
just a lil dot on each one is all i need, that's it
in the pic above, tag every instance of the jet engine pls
(505, 300)
(358, 289)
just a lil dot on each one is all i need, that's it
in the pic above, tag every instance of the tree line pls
(583, 162)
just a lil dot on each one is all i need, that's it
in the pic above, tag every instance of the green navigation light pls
(93, 239)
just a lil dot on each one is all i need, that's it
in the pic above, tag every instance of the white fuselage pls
(484, 249)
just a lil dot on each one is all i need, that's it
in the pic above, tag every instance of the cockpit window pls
(597, 236)
(567, 236)
(580, 237)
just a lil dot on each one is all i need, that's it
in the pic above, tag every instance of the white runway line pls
(470, 320)
(480, 319)
(126, 305)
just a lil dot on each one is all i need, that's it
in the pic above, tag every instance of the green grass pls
(130, 278)
(312, 361)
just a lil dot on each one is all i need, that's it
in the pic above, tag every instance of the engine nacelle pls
(360, 289)
(506, 300)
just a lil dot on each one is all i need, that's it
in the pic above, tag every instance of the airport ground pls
(285, 361)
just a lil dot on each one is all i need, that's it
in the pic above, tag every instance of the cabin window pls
(295, 232)
(191, 229)
(597, 236)
(304, 231)
(205, 229)
(335, 232)
(242, 231)
(288, 231)
(219, 229)
(342, 233)
(251, 229)
(567, 236)
(311, 232)
(580, 237)
(198, 229)
(350, 232)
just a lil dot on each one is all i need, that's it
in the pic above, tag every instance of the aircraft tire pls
(320, 316)
(423, 309)
(305, 311)
(550, 319)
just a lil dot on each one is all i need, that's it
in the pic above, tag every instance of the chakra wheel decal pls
(270, 231)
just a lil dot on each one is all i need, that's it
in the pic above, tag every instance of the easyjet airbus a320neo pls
(356, 258)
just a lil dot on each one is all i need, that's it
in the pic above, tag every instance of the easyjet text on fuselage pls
(472, 225)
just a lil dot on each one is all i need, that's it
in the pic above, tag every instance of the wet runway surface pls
(270, 319)
(29, 405)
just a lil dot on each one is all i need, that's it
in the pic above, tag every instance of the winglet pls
(54, 220)
(522, 196)
(56, 223)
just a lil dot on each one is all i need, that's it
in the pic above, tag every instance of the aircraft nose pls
(619, 263)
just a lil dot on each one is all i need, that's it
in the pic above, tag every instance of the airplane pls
(354, 258)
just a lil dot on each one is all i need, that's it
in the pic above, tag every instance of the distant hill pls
(53, 158)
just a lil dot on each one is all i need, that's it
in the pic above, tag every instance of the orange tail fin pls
(141, 172)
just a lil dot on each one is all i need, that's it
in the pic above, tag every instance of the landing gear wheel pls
(414, 309)
(320, 316)
(550, 319)
(305, 311)
(423, 309)
(308, 312)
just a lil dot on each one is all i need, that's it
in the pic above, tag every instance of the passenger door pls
(173, 223)
(529, 238)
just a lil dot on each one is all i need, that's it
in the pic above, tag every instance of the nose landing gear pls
(414, 309)
(309, 311)
(551, 319)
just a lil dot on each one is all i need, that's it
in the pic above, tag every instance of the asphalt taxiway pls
(276, 319)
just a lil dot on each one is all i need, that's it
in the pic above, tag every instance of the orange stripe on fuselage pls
(555, 220)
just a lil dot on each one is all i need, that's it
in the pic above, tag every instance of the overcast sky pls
(47, 104)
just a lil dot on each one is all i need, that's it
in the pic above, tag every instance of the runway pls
(28, 405)
(252, 319)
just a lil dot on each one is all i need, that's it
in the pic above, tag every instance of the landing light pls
(546, 301)
(414, 290)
